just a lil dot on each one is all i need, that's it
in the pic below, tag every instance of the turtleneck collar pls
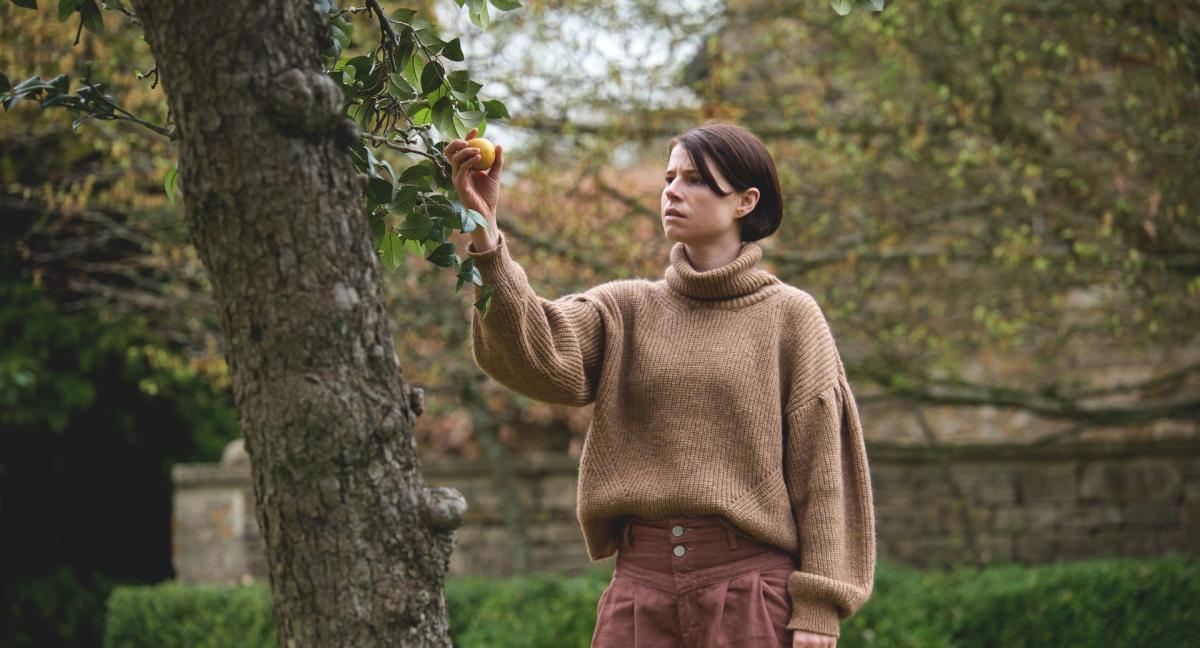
(738, 278)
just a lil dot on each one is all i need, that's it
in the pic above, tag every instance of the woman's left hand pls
(805, 639)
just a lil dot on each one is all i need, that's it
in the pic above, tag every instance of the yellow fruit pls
(487, 153)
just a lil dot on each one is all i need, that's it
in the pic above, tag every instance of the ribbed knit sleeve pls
(829, 486)
(548, 350)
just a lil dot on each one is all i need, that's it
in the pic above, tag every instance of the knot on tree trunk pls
(305, 103)
(444, 508)
(416, 400)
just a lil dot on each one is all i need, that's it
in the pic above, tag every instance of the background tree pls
(987, 201)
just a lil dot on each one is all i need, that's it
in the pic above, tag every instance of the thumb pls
(497, 164)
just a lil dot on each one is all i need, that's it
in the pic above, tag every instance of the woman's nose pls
(670, 191)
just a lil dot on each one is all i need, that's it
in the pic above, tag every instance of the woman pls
(724, 464)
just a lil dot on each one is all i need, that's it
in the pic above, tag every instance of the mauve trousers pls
(694, 583)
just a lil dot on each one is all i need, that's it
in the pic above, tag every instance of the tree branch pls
(387, 36)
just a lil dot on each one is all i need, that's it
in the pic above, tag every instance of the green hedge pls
(193, 616)
(1109, 602)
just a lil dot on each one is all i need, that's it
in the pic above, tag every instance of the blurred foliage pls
(1125, 602)
(201, 616)
(92, 415)
(991, 202)
(110, 370)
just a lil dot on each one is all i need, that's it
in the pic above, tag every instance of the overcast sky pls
(619, 53)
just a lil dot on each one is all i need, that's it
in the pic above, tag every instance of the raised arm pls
(548, 350)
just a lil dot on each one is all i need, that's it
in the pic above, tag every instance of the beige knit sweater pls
(718, 392)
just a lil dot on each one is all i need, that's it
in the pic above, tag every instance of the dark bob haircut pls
(745, 162)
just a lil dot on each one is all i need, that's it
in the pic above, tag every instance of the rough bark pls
(357, 545)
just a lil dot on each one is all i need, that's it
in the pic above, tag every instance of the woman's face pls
(704, 216)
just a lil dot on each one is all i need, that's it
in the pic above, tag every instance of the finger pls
(466, 154)
(454, 147)
(460, 174)
(497, 164)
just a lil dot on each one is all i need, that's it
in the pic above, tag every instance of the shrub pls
(527, 611)
(1124, 602)
(1101, 602)
(173, 615)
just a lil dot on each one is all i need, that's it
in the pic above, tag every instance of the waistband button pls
(676, 531)
(679, 550)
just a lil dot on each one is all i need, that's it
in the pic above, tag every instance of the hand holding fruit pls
(477, 189)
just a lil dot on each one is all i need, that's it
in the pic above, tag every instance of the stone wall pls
(934, 506)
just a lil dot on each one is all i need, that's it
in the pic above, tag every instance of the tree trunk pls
(357, 545)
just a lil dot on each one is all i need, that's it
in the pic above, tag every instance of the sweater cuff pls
(814, 616)
(496, 266)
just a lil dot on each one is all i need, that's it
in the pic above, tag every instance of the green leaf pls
(453, 50)
(428, 37)
(506, 5)
(399, 88)
(484, 303)
(473, 118)
(411, 68)
(170, 182)
(391, 252)
(870, 5)
(417, 172)
(416, 227)
(440, 206)
(459, 79)
(379, 190)
(363, 112)
(59, 85)
(478, 10)
(406, 197)
(443, 113)
(842, 7)
(459, 127)
(443, 256)
(468, 272)
(68, 7)
(93, 21)
(4, 86)
(496, 109)
(362, 67)
(359, 154)
(422, 116)
(378, 220)
(403, 15)
(431, 77)
(28, 4)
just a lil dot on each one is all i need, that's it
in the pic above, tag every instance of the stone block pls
(1009, 520)
(1151, 514)
(1041, 517)
(1189, 515)
(209, 531)
(1047, 482)
(558, 533)
(1136, 480)
(556, 493)
(980, 484)
(1090, 517)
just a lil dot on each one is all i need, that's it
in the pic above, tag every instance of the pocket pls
(775, 594)
(755, 610)
(609, 615)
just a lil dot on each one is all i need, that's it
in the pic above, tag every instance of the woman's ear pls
(747, 201)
